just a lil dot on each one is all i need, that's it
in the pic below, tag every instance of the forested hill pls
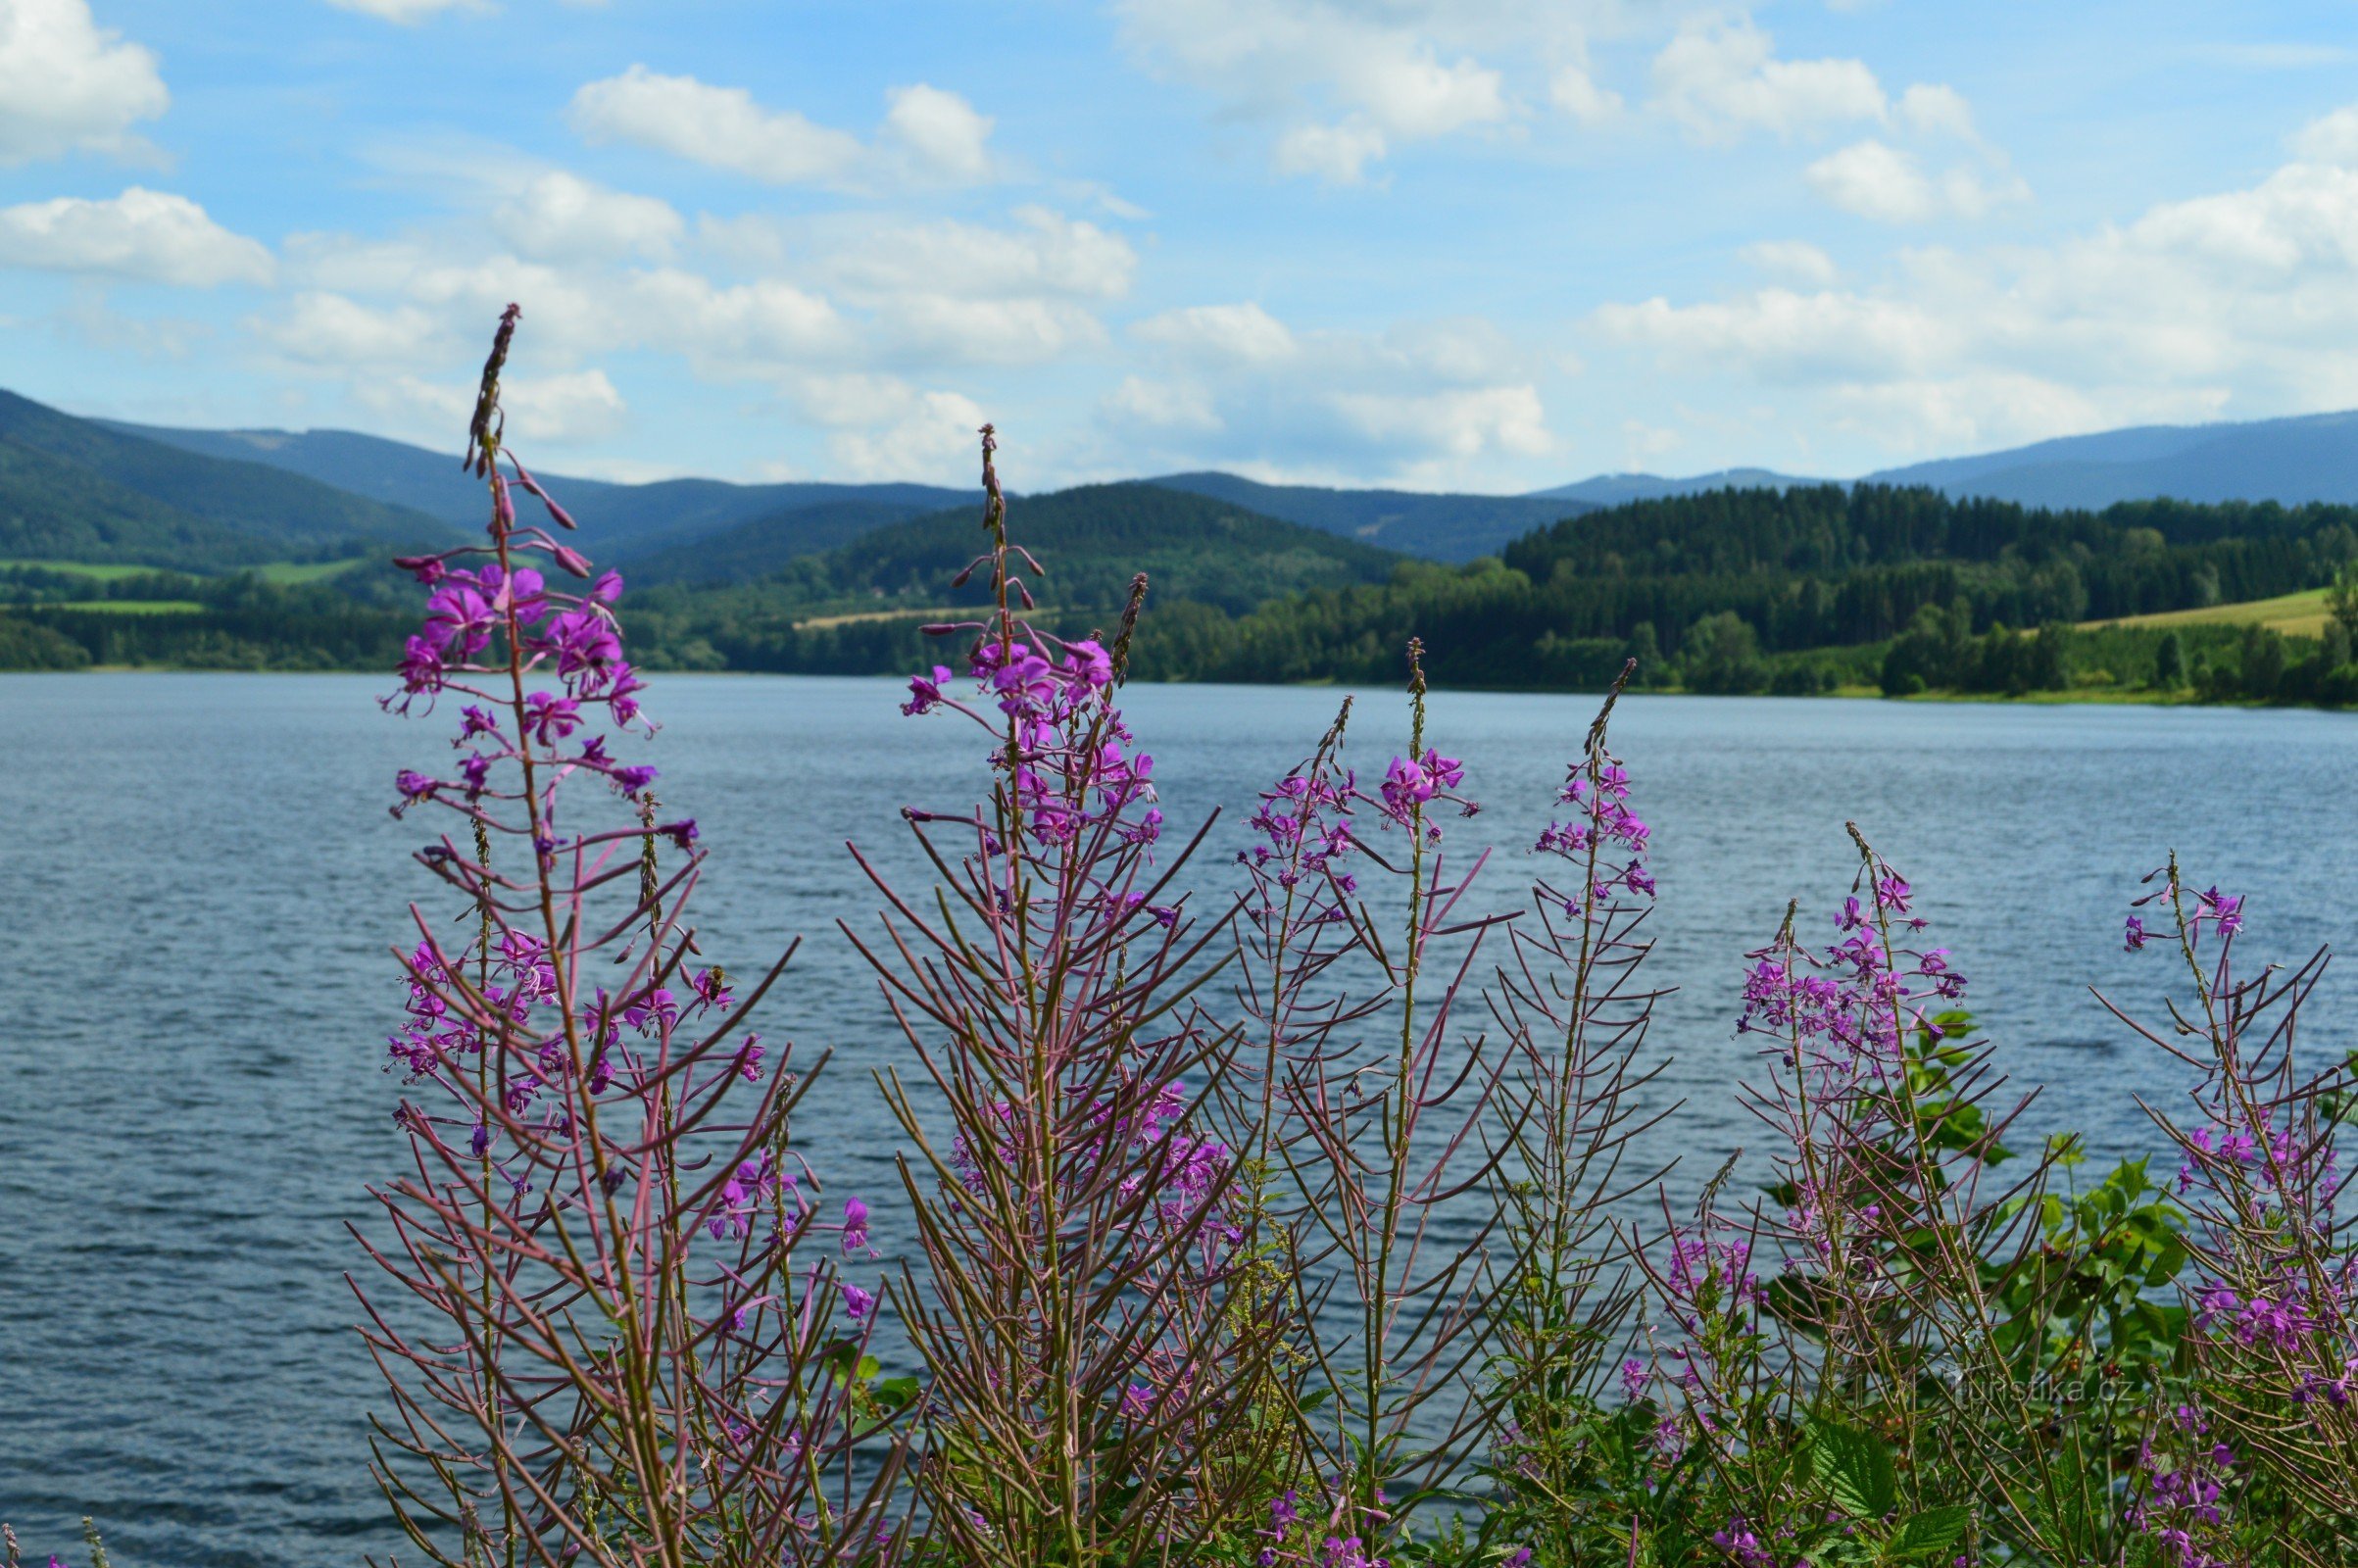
(74, 489)
(1814, 567)
(1091, 540)
(1801, 590)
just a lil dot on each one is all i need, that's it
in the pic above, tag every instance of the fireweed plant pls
(625, 1340)
(1293, 1214)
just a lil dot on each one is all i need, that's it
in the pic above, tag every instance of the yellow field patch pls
(2301, 614)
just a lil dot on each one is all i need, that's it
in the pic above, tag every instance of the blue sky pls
(1446, 244)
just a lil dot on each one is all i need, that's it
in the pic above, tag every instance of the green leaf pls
(1856, 1467)
(1932, 1532)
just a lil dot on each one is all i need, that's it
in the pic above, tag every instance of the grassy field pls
(83, 568)
(293, 572)
(274, 572)
(2301, 614)
(135, 607)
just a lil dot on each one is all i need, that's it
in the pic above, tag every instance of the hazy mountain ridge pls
(627, 519)
(74, 489)
(282, 493)
(1440, 526)
(2291, 461)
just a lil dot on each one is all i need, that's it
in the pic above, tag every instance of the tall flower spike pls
(604, 1211)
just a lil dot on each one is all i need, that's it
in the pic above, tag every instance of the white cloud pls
(1351, 82)
(406, 13)
(1163, 405)
(1780, 335)
(1937, 110)
(943, 330)
(1574, 90)
(929, 136)
(1242, 334)
(2330, 139)
(559, 215)
(940, 133)
(1337, 154)
(1047, 253)
(324, 328)
(721, 128)
(68, 85)
(2242, 303)
(1795, 260)
(1462, 423)
(1719, 77)
(931, 436)
(556, 409)
(144, 234)
(1879, 181)
(1422, 403)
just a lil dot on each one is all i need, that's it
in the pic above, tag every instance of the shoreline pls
(2094, 696)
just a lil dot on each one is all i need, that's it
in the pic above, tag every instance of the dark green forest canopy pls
(1733, 590)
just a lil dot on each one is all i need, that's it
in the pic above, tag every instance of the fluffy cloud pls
(66, 83)
(557, 214)
(1338, 154)
(2332, 139)
(1238, 334)
(1424, 403)
(1045, 253)
(2242, 301)
(929, 136)
(1163, 405)
(719, 127)
(322, 328)
(1719, 77)
(926, 435)
(939, 135)
(142, 234)
(556, 409)
(1881, 183)
(1464, 422)
(1343, 84)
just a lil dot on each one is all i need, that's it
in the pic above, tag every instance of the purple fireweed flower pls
(857, 1303)
(550, 720)
(681, 833)
(2136, 935)
(925, 692)
(855, 1224)
(2224, 911)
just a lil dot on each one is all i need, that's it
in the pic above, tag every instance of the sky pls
(1487, 245)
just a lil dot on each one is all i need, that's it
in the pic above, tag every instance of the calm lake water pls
(198, 883)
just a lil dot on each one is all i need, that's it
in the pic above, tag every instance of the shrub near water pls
(1287, 1223)
(1284, 1215)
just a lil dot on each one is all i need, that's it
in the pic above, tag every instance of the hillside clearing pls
(2300, 615)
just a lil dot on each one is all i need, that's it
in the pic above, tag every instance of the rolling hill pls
(2314, 457)
(292, 515)
(628, 520)
(1092, 539)
(2292, 461)
(1437, 526)
(1619, 489)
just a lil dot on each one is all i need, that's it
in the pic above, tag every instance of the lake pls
(199, 884)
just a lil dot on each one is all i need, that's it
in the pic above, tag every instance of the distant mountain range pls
(104, 491)
(1619, 489)
(2309, 458)
(766, 522)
